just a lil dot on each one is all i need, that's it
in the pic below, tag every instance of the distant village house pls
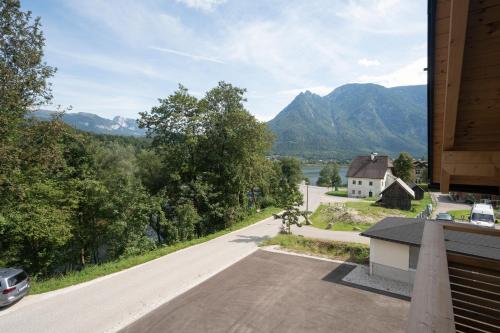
(368, 176)
(420, 167)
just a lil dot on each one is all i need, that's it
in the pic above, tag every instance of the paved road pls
(343, 236)
(109, 303)
(444, 204)
(274, 292)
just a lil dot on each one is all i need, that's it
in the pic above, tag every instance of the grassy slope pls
(95, 271)
(320, 220)
(353, 252)
(367, 208)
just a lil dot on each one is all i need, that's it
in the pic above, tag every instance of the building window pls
(359, 192)
(353, 182)
(371, 183)
(359, 182)
(353, 192)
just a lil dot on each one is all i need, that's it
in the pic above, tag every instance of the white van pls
(483, 215)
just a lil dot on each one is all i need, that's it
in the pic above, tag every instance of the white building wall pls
(391, 260)
(361, 187)
(390, 254)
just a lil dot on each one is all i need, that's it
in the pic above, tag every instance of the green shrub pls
(354, 252)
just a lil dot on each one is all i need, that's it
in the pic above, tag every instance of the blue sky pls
(117, 57)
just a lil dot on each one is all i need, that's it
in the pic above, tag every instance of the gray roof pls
(400, 182)
(409, 231)
(413, 185)
(364, 167)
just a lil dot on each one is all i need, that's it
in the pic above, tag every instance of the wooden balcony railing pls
(452, 292)
(431, 309)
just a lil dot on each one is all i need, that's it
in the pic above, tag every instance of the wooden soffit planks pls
(459, 11)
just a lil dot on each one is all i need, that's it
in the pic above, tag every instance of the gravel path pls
(361, 276)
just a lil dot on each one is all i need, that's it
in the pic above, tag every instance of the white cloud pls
(112, 64)
(409, 74)
(188, 55)
(135, 23)
(288, 50)
(100, 99)
(320, 90)
(368, 63)
(205, 5)
(392, 17)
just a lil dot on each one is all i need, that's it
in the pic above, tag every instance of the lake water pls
(312, 172)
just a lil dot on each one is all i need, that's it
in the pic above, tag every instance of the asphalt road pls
(271, 292)
(445, 204)
(110, 303)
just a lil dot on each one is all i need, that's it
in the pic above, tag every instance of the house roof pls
(400, 182)
(409, 231)
(412, 185)
(364, 167)
(420, 163)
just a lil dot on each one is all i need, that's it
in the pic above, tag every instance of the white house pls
(367, 176)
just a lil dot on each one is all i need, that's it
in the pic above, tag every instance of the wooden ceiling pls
(464, 95)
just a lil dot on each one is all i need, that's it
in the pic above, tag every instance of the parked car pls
(444, 217)
(483, 215)
(14, 285)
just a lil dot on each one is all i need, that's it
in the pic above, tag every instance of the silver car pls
(14, 285)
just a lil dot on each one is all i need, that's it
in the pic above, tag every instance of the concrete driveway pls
(110, 303)
(273, 292)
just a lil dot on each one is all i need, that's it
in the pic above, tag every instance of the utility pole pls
(307, 197)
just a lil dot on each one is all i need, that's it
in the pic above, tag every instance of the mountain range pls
(353, 119)
(90, 122)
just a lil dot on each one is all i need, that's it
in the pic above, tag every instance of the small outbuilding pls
(397, 195)
(395, 246)
(419, 192)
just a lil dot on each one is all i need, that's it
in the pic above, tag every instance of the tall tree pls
(329, 176)
(23, 83)
(213, 151)
(403, 167)
(292, 170)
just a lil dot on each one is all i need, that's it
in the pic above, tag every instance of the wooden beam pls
(444, 182)
(471, 164)
(458, 26)
(469, 169)
(472, 229)
(431, 308)
(483, 157)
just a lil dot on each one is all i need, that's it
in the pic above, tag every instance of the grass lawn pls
(342, 192)
(458, 214)
(320, 220)
(371, 210)
(95, 271)
(354, 252)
